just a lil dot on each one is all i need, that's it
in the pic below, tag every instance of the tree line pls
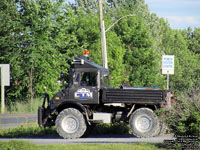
(40, 38)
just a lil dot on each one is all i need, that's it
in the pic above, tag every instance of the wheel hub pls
(70, 124)
(143, 124)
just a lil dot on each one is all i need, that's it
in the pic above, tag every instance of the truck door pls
(86, 88)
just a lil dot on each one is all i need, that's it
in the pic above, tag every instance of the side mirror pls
(61, 75)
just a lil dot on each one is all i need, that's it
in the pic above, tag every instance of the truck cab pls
(87, 80)
(85, 84)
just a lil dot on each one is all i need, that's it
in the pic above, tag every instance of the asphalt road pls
(90, 140)
(14, 120)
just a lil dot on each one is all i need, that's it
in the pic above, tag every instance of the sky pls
(180, 14)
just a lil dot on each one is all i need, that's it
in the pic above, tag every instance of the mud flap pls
(40, 116)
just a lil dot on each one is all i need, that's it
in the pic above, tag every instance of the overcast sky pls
(180, 13)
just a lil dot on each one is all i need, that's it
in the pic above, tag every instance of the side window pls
(106, 80)
(88, 79)
(77, 77)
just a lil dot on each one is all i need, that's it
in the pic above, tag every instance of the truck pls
(88, 99)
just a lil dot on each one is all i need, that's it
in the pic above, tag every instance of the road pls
(14, 120)
(90, 140)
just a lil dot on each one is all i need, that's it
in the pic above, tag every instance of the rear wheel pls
(70, 123)
(144, 123)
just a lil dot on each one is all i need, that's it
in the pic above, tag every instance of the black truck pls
(88, 99)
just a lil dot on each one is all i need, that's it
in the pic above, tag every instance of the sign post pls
(5, 81)
(168, 66)
(2, 91)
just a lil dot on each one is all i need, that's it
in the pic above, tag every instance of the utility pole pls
(103, 36)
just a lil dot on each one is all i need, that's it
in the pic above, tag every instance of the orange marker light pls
(86, 53)
(57, 98)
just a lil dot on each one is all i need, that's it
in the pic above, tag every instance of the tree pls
(174, 43)
(33, 57)
(141, 60)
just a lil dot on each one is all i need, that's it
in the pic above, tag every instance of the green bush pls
(184, 117)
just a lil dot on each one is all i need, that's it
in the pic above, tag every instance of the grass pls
(21, 145)
(28, 131)
(24, 106)
(32, 130)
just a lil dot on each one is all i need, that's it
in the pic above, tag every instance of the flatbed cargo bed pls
(138, 96)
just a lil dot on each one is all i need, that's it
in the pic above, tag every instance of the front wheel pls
(144, 123)
(70, 123)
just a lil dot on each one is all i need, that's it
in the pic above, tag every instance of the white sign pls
(168, 64)
(6, 73)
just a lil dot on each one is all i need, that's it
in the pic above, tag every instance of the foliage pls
(29, 49)
(140, 58)
(40, 38)
(186, 62)
(184, 117)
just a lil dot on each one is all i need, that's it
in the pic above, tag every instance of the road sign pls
(168, 64)
(6, 74)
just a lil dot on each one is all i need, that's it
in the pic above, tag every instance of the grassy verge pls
(25, 106)
(20, 145)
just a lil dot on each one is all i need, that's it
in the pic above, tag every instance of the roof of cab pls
(80, 62)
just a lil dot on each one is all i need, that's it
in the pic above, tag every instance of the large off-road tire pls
(70, 123)
(144, 123)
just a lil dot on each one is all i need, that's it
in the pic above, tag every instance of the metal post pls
(2, 91)
(168, 81)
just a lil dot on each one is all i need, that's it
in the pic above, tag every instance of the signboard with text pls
(168, 64)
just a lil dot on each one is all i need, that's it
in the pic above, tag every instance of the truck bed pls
(139, 96)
